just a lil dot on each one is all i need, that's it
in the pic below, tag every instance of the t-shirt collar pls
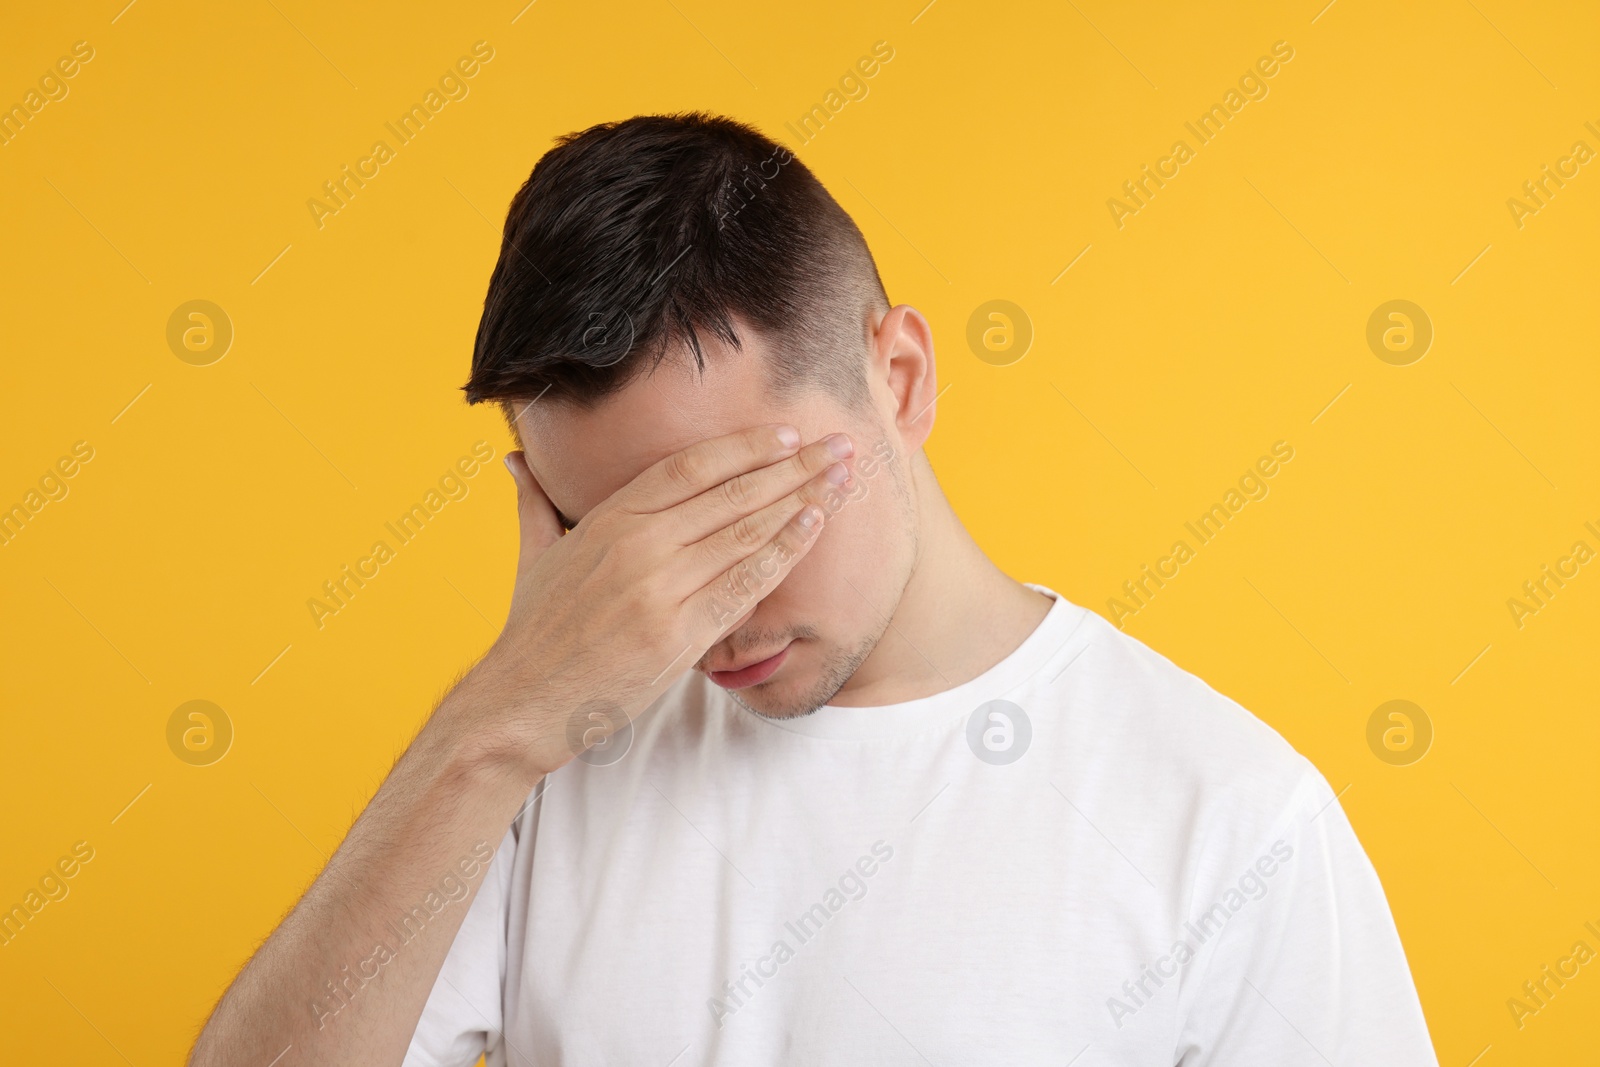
(1057, 639)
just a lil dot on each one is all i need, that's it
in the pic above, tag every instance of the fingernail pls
(509, 467)
(837, 474)
(808, 517)
(839, 446)
(788, 436)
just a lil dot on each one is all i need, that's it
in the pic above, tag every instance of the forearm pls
(311, 988)
(594, 613)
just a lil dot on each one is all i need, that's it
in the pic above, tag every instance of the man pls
(792, 772)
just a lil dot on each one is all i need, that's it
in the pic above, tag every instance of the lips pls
(753, 674)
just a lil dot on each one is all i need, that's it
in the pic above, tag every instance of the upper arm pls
(1308, 968)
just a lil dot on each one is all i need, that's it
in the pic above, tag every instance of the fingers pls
(742, 496)
(717, 606)
(536, 516)
(747, 534)
(707, 463)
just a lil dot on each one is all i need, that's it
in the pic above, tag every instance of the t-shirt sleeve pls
(1315, 974)
(462, 1019)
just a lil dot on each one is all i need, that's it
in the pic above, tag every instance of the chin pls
(781, 699)
(809, 688)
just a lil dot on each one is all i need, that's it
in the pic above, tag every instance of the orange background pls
(1230, 312)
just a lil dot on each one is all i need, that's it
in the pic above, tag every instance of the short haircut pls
(631, 238)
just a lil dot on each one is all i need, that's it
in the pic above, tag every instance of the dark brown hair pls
(631, 237)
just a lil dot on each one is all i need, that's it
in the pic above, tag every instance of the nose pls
(732, 627)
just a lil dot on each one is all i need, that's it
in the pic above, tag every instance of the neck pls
(958, 615)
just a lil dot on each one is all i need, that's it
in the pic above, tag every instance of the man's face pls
(829, 612)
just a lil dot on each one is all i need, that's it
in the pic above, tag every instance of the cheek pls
(856, 554)
(803, 597)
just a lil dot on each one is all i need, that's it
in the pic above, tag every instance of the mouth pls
(751, 674)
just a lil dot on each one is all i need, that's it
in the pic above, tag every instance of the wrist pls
(489, 725)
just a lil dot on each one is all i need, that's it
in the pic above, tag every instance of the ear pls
(902, 375)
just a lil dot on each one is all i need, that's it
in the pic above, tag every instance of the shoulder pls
(1165, 742)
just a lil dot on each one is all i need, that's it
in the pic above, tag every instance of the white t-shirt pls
(1116, 865)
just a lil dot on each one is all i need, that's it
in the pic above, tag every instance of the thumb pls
(536, 516)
